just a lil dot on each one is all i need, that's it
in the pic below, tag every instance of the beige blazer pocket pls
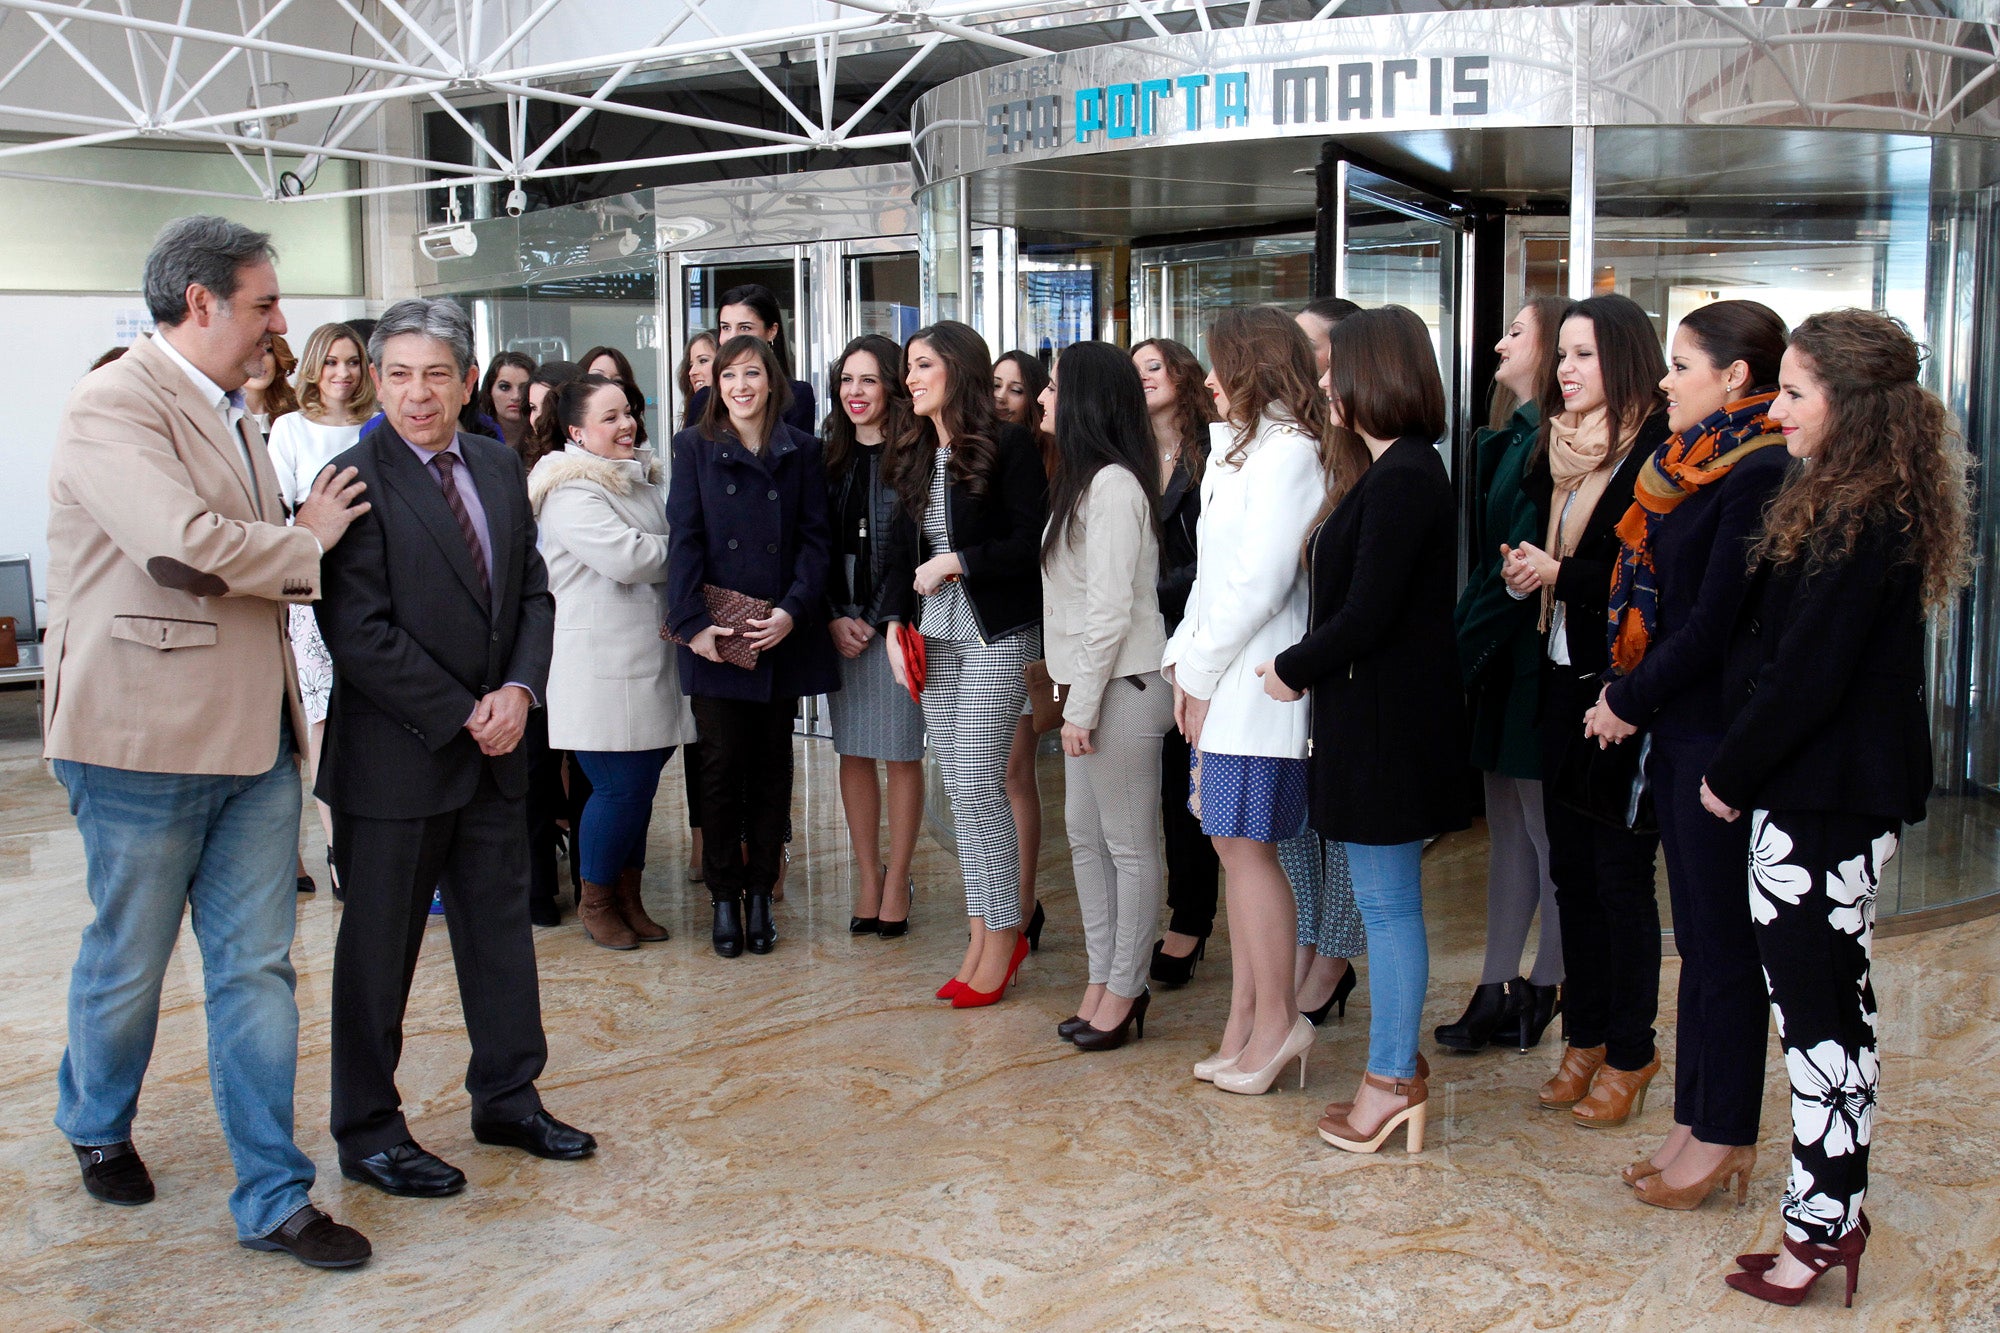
(163, 633)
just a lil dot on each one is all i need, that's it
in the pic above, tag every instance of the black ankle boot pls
(1494, 1005)
(1542, 1005)
(761, 931)
(728, 933)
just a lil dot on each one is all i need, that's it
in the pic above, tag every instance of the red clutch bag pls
(732, 610)
(913, 661)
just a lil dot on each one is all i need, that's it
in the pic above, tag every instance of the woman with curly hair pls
(1830, 750)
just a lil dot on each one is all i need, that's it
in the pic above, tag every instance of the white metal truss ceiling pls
(185, 82)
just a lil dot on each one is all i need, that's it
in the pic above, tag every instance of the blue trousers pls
(224, 850)
(615, 818)
(1389, 890)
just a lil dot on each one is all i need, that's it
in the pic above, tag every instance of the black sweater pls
(1380, 657)
(1825, 678)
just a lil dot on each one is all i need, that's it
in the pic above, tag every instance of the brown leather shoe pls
(1339, 1110)
(602, 920)
(633, 908)
(1638, 1171)
(1572, 1081)
(1616, 1096)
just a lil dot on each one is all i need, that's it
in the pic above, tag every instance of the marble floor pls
(809, 1140)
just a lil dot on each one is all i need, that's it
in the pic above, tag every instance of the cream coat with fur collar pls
(603, 534)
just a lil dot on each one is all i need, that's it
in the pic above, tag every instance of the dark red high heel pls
(1845, 1253)
(968, 998)
(1763, 1263)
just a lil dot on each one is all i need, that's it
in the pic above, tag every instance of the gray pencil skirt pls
(874, 717)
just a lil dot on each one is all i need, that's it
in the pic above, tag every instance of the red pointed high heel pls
(1763, 1263)
(950, 989)
(1845, 1253)
(968, 998)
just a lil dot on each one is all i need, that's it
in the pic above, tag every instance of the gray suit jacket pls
(415, 644)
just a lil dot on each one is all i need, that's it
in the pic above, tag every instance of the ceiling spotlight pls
(263, 95)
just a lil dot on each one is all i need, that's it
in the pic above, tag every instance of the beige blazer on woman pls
(1100, 595)
(167, 650)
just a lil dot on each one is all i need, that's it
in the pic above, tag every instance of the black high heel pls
(890, 930)
(1496, 1007)
(1069, 1027)
(1172, 972)
(1034, 929)
(1538, 1010)
(333, 877)
(864, 925)
(1341, 990)
(1090, 1037)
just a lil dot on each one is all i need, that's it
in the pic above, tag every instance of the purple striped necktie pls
(446, 462)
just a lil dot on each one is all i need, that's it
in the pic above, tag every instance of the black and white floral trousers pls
(1813, 877)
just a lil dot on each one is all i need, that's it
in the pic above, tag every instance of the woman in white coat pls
(1263, 487)
(614, 696)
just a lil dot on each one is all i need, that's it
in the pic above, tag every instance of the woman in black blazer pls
(747, 513)
(1602, 419)
(966, 575)
(1388, 739)
(1830, 744)
(1680, 579)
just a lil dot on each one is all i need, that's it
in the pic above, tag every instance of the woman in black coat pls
(1829, 748)
(1388, 739)
(966, 575)
(747, 512)
(1680, 578)
(1602, 421)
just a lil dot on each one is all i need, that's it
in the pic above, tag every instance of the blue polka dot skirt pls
(1248, 796)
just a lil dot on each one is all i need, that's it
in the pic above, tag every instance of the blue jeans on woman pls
(223, 850)
(615, 818)
(1388, 888)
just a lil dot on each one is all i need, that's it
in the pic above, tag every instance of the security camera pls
(454, 240)
(517, 202)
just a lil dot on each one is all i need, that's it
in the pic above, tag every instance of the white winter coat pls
(1250, 600)
(603, 534)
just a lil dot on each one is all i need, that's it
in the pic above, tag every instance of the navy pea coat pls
(755, 523)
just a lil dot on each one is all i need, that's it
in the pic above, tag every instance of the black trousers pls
(478, 855)
(691, 772)
(1192, 869)
(746, 783)
(1812, 891)
(1605, 896)
(545, 805)
(1720, 1029)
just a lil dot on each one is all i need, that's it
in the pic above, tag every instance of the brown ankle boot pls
(633, 908)
(602, 920)
(1572, 1081)
(1616, 1096)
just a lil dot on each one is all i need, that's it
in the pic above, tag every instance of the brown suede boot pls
(1616, 1096)
(1572, 1081)
(633, 908)
(602, 920)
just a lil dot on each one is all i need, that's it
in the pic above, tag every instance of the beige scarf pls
(1581, 462)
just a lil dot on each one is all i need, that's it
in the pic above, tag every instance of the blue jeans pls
(225, 850)
(622, 786)
(1389, 890)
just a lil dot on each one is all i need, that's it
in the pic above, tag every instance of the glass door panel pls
(884, 295)
(1181, 289)
(705, 275)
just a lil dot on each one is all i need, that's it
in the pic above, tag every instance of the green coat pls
(1499, 646)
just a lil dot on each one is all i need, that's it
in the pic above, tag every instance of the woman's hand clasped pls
(769, 632)
(1604, 726)
(1527, 568)
(937, 571)
(1076, 741)
(705, 644)
(1277, 688)
(850, 635)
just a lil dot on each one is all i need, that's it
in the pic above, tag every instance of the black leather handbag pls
(1607, 785)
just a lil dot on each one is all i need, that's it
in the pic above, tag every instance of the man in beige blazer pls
(173, 720)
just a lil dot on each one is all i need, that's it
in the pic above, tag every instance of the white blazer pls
(1250, 599)
(613, 683)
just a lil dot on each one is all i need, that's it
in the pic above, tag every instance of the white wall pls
(52, 341)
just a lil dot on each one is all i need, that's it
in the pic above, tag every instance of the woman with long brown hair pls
(1603, 415)
(1260, 495)
(1388, 719)
(1180, 410)
(696, 370)
(874, 718)
(503, 395)
(268, 394)
(1019, 380)
(1830, 749)
(1499, 653)
(965, 577)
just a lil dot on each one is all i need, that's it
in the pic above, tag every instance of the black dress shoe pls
(1069, 1027)
(863, 925)
(727, 934)
(113, 1172)
(541, 1134)
(1496, 1008)
(544, 911)
(1172, 972)
(1341, 990)
(1133, 1026)
(316, 1240)
(758, 929)
(407, 1170)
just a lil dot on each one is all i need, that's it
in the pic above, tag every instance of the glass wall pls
(561, 320)
(1182, 288)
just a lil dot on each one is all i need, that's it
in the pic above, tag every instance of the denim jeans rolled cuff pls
(1388, 888)
(224, 850)
(623, 784)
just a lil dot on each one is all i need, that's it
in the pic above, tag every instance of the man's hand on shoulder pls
(332, 505)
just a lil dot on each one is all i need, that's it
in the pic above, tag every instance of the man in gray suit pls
(438, 618)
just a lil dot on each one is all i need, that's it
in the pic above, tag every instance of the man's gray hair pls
(443, 320)
(206, 250)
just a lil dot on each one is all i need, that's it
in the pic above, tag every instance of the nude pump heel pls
(1206, 1070)
(1253, 1083)
(1737, 1164)
(1341, 1133)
